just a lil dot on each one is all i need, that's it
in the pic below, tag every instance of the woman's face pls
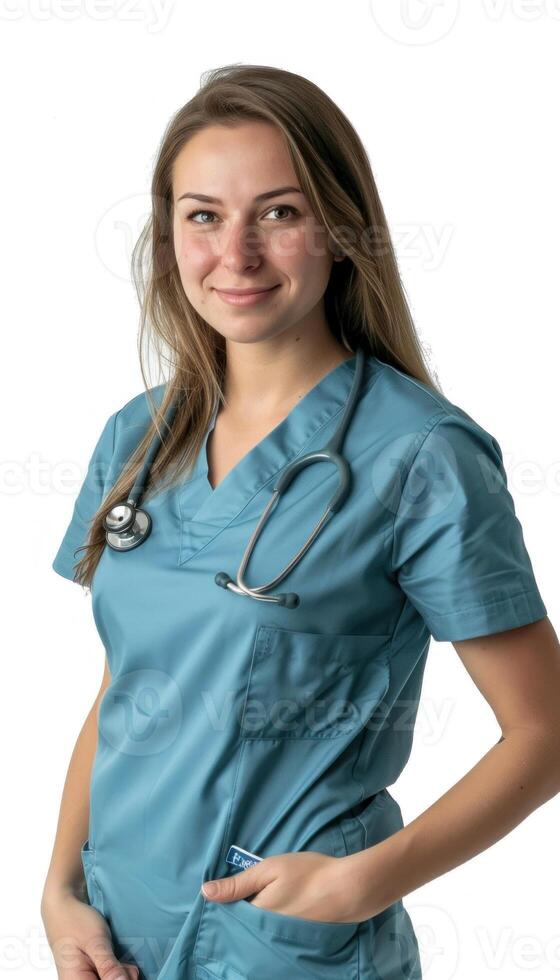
(245, 237)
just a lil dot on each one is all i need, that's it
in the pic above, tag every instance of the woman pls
(230, 727)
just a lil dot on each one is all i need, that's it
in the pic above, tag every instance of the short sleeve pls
(87, 502)
(458, 548)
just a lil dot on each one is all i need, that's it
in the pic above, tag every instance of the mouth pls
(246, 297)
(246, 291)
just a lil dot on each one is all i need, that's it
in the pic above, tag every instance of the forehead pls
(233, 161)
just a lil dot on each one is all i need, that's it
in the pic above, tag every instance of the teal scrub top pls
(230, 721)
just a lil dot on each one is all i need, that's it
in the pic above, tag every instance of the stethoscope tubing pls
(127, 526)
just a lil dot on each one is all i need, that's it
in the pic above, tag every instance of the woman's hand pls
(80, 939)
(306, 884)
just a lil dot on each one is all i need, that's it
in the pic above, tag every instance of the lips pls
(245, 292)
(247, 297)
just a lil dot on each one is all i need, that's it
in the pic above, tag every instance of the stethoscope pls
(128, 526)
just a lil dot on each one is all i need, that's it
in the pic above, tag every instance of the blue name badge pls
(241, 858)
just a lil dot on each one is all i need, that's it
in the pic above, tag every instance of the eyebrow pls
(260, 197)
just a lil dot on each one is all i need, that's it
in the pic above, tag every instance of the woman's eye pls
(194, 214)
(284, 207)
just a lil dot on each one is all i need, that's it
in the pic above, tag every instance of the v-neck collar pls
(206, 511)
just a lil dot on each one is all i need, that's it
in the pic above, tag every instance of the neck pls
(270, 376)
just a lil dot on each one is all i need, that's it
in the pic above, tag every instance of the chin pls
(246, 337)
(247, 333)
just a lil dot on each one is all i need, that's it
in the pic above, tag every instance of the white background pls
(457, 106)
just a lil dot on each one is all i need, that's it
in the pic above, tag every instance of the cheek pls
(305, 245)
(194, 253)
(301, 252)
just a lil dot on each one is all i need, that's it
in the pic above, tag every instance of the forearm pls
(514, 778)
(65, 870)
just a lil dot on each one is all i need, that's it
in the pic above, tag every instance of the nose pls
(242, 247)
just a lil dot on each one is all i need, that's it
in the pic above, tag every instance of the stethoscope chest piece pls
(126, 526)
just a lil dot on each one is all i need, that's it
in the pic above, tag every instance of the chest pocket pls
(312, 685)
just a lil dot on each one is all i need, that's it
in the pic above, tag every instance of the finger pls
(82, 973)
(131, 972)
(72, 962)
(101, 953)
(239, 885)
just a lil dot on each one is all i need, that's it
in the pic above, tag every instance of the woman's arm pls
(518, 673)
(65, 872)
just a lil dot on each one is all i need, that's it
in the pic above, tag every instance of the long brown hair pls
(365, 303)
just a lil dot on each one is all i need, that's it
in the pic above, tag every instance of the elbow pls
(539, 748)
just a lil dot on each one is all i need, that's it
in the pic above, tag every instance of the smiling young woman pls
(230, 721)
(256, 267)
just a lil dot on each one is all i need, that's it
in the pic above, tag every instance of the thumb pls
(101, 952)
(236, 886)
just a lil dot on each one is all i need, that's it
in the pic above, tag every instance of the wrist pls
(57, 891)
(374, 873)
